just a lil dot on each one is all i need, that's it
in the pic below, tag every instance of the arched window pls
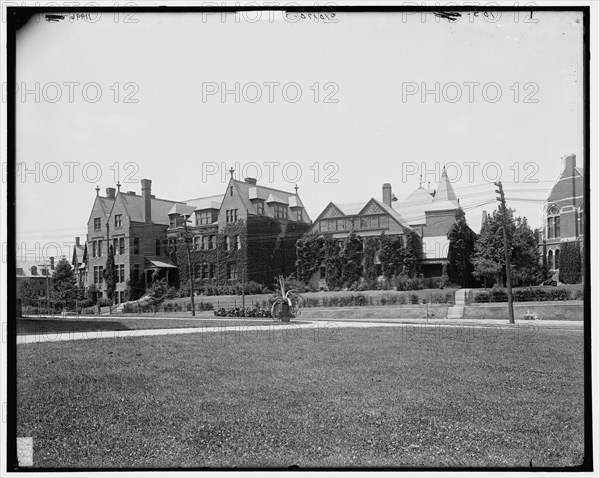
(550, 260)
(553, 230)
(556, 257)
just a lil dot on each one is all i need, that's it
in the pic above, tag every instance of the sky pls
(338, 107)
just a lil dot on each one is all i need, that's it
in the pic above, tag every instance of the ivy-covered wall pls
(267, 249)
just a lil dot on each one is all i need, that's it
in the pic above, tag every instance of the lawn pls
(393, 397)
(40, 325)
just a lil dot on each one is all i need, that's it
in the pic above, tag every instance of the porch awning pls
(158, 263)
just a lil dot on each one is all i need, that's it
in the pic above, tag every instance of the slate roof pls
(445, 197)
(160, 208)
(414, 205)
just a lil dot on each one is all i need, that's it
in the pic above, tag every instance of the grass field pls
(54, 325)
(372, 397)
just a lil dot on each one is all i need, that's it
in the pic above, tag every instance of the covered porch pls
(158, 268)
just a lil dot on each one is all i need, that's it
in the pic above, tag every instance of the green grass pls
(52, 326)
(374, 397)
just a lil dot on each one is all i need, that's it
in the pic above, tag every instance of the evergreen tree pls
(333, 262)
(309, 255)
(462, 245)
(64, 289)
(27, 291)
(569, 263)
(110, 274)
(391, 255)
(369, 266)
(351, 259)
(488, 258)
(413, 253)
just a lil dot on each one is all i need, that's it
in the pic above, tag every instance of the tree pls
(462, 244)
(526, 266)
(27, 291)
(369, 266)
(309, 256)
(488, 258)
(413, 253)
(569, 263)
(351, 259)
(64, 287)
(110, 274)
(333, 262)
(391, 255)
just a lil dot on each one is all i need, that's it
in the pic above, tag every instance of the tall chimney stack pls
(387, 194)
(52, 263)
(110, 192)
(147, 200)
(569, 162)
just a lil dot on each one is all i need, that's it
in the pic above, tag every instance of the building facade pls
(430, 214)
(562, 213)
(135, 226)
(246, 234)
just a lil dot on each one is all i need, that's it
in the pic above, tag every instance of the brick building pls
(39, 275)
(135, 225)
(246, 234)
(562, 212)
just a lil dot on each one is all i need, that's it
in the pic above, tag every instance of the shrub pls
(569, 263)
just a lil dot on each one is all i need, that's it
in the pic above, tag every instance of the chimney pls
(147, 200)
(110, 192)
(250, 181)
(77, 241)
(387, 194)
(569, 162)
(52, 263)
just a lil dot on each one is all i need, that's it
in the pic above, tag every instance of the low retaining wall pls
(552, 310)
(379, 312)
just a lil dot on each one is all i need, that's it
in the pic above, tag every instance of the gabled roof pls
(134, 205)
(105, 204)
(182, 209)
(355, 209)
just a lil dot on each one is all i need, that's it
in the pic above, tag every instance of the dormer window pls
(299, 215)
(34, 271)
(280, 211)
(203, 217)
(260, 208)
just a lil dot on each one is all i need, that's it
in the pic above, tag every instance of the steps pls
(457, 310)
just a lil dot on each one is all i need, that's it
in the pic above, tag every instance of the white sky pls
(371, 134)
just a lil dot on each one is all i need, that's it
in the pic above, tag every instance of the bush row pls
(527, 295)
(240, 312)
(361, 300)
(165, 307)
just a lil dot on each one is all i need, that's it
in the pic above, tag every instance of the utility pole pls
(511, 313)
(189, 260)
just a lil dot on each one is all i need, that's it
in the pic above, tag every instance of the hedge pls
(527, 295)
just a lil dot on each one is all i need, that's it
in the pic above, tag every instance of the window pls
(211, 242)
(197, 242)
(556, 259)
(553, 222)
(100, 248)
(204, 217)
(260, 208)
(173, 222)
(136, 245)
(580, 220)
(340, 225)
(299, 215)
(550, 260)
(204, 271)
(121, 246)
(238, 243)
(231, 215)
(197, 270)
(98, 279)
(211, 271)
(232, 272)
(364, 223)
(118, 220)
(204, 243)
(97, 224)
(94, 248)
(231, 190)
(120, 272)
(228, 243)
(280, 211)
(115, 246)
(157, 247)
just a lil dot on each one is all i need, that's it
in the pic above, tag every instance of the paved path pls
(567, 326)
